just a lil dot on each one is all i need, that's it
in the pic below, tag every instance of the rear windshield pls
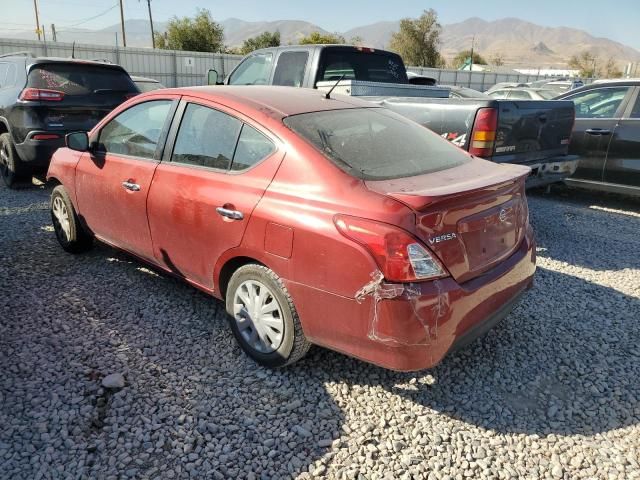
(376, 144)
(366, 66)
(547, 94)
(79, 79)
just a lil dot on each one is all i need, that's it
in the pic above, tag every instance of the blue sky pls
(618, 20)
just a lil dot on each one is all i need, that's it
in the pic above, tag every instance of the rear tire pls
(71, 235)
(263, 318)
(12, 170)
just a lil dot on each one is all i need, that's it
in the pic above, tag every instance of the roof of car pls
(274, 101)
(81, 61)
(613, 83)
(135, 78)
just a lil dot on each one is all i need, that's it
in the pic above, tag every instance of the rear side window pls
(376, 144)
(635, 113)
(136, 131)
(254, 70)
(290, 69)
(252, 148)
(361, 65)
(80, 79)
(207, 138)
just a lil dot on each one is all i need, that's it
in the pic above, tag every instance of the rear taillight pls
(42, 95)
(400, 257)
(483, 135)
(45, 136)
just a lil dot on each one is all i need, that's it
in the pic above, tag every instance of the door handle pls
(232, 214)
(597, 131)
(134, 187)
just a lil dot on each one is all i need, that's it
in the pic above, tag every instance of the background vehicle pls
(606, 136)
(465, 92)
(501, 85)
(523, 94)
(145, 84)
(531, 133)
(42, 99)
(300, 245)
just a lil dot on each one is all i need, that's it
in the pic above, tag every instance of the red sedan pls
(318, 221)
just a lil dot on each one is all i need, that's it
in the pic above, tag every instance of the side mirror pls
(212, 77)
(78, 141)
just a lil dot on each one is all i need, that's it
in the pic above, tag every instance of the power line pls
(94, 17)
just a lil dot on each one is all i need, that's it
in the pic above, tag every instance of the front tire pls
(69, 232)
(12, 170)
(263, 318)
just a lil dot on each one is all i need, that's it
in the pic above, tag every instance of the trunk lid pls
(471, 217)
(533, 130)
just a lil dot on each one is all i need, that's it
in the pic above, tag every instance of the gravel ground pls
(552, 392)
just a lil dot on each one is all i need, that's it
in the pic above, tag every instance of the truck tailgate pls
(532, 130)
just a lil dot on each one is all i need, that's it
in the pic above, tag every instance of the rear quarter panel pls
(62, 169)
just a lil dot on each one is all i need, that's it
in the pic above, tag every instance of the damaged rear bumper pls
(409, 327)
(551, 170)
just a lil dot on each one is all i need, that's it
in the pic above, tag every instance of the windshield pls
(361, 65)
(547, 94)
(376, 144)
(80, 79)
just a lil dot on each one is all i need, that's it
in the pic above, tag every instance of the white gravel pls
(552, 392)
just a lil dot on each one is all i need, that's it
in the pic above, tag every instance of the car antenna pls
(73, 50)
(328, 95)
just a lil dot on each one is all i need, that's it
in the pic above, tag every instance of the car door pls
(215, 169)
(623, 158)
(113, 179)
(597, 113)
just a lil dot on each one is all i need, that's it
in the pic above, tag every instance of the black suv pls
(42, 99)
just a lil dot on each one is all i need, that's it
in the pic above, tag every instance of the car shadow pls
(554, 366)
(564, 222)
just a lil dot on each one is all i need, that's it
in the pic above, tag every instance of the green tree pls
(460, 59)
(418, 40)
(198, 34)
(315, 38)
(264, 40)
(586, 63)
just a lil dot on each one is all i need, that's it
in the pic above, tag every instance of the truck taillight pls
(40, 94)
(400, 257)
(483, 134)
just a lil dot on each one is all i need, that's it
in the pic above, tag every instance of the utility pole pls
(35, 7)
(124, 36)
(473, 40)
(153, 38)
(53, 32)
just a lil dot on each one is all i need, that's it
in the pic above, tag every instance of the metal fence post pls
(175, 68)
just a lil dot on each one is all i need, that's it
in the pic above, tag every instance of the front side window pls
(207, 138)
(599, 102)
(254, 70)
(290, 69)
(375, 143)
(136, 131)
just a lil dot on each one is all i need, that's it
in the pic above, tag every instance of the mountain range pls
(516, 41)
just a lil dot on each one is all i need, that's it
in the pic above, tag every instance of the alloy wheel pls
(61, 217)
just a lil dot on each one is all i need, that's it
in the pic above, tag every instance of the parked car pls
(532, 133)
(606, 136)
(561, 86)
(324, 221)
(465, 92)
(43, 98)
(145, 84)
(502, 85)
(523, 94)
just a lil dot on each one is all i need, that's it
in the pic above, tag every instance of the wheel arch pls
(227, 269)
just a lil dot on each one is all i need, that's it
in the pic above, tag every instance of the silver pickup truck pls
(535, 133)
